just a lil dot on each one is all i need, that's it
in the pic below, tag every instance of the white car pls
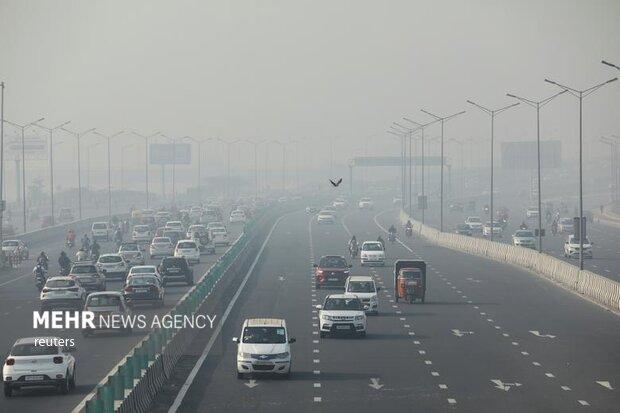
(112, 265)
(130, 251)
(263, 347)
(141, 234)
(107, 305)
(39, 362)
(195, 229)
(188, 249)
(218, 236)
(372, 253)
(340, 203)
(161, 247)
(282, 200)
(532, 212)
(237, 217)
(342, 313)
(143, 270)
(571, 248)
(174, 225)
(494, 228)
(475, 223)
(325, 217)
(62, 292)
(215, 224)
(364, 287)
(524, 238)
(365, 203)
(100, 231)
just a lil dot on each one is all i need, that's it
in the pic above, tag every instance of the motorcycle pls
(353, 250)
(408, 231)
(40, 276)
(392, 237)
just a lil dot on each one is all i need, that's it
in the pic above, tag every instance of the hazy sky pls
(316, 69)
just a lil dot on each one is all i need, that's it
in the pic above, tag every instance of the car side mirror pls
(318, 306)
(235, 339)
(292, 340)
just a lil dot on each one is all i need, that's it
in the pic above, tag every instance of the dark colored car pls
(331, 271)
(176, 269)
(463, 229)
(88, 276)
(144, 289)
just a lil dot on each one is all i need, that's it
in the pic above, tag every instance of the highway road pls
(97, 355)
(490, 337)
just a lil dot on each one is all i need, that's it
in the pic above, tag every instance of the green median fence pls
(134, 382)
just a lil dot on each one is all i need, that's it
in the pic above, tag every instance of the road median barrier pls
(133, 383)
(595, 287)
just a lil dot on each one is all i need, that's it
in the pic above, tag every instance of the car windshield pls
(10, 244)
(143, 270)
(350, 304)
(463, 226)
(374, 246)
(187, 245)
(83, 269)
(141, 228)
(33, 350)
(59, 283)
(143, 281)
(104, 301)
(100, 226)
(575, 240)
(110, 259)
(524, 234)
(411, 273)
(361, 287)
(333, 262)
(130, 247)
(264, 335)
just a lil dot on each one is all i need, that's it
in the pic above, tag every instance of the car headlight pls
(245, 355)
(359, 317)
(326, 317)
(281, 355)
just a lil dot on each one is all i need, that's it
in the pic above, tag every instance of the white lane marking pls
(316, 350)
(192, 375)
(15, 279)
(443, 386)
(316, 399)
(550, 375)
(435, 373)
(537, 334)
(428, 362)
(515, 343)
(535, 363)
(452, 401)
(504, 386)
(316, 361)
(565, 388)
(416, 342)
(525, 353)
(422, 351)
(374, 383)
(506, 334)
(317, 385)
(316, 372)
(583, 402)
(315, 341)
(460, 333)
(605, 384)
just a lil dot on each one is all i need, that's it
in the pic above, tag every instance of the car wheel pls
(363, 334)
(323, 334)
(63, 387)
(8, 390)
(72, 381)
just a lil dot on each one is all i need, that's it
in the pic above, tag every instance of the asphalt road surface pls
(489, 338)
(96, 355)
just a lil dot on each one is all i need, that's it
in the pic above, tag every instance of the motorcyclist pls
(523, 225)
(70, 236)
(81, 255)
(353, 247)
(554, 227)
(40, 275)
(85, 242)
(43, 260)
(95, 250)
(63, 261)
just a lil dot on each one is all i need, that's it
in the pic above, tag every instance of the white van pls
(100, 231)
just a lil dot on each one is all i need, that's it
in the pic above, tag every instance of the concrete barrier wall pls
(593, 286)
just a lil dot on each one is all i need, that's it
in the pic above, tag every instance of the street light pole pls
(78, 136)
(228, 145)
(199, 142)
(580, 94)
(537, 105)
(109, 138)
(442, 120)
(255, 144)
(408, 133)
(2, 200)
(492, 113)
(23, 128)
(400, 134)
(51, 132)
(146, 161)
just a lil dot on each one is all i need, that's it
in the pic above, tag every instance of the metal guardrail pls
(132, 384)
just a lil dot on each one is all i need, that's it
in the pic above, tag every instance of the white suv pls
(100, 231)
(363, 286)
(188, 249)
(62, 292)
(571, 247)
(264, 347)
(342, 313)
(372, 253)
(39, 361)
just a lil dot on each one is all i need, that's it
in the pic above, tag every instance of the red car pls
(331, 271)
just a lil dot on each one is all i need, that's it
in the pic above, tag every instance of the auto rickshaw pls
(410, 280)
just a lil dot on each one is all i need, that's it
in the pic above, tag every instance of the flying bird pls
(335, 184)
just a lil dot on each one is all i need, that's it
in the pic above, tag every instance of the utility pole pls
(146, 161)
(2, 200)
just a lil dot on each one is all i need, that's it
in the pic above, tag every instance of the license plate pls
(140, 290)
(333, 279)
(343, 327)
(33, 378)
(173, 270)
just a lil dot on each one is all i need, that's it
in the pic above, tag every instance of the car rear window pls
(375, 246)
(143, 270)
(187, 245)
(174, 262)
(333, 262)
(104, 301)
(10, 244)
(109, 259)
(162, 240)
(332, 304)
(83, 269)
(100, 226)
(130, 247)
(32, 350)
(143, 281)
(60, 283)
